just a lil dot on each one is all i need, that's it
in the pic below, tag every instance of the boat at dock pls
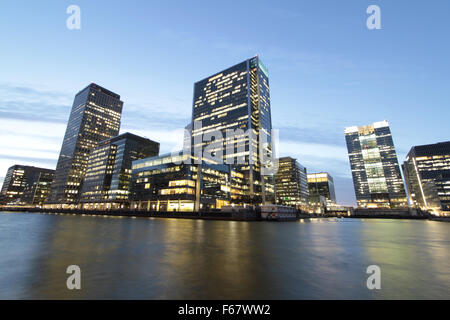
(278, 213)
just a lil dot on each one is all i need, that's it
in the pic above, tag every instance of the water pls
(124, 258)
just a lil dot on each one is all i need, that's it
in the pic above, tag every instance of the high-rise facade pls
(106, 183)
(427, 175)
(291, 183)
(237, 99)
(95, 116)
(26, 185)
(321, 185)
(376, 174)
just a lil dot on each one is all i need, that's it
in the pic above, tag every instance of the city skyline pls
(311, 105)
(87, 98)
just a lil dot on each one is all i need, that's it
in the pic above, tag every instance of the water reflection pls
(194, 259)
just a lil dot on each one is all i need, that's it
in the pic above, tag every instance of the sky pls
(327, 71)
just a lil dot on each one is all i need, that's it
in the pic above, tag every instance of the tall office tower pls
(376, 174)
(321, 185)
(25, 185)
(95, 117)
(291, 183)
(238, 99)
(427, 176)
(107, 179)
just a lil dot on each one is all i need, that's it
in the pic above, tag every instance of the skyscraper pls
(95, 116)
(237, 99)
(26, 185)
(321, 184)
(376, 174)
(427, 176)
(291, 183)
(106, 183)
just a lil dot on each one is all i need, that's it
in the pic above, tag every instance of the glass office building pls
(427, 175)
(26, 185)
(321, 185)
(95, 116)
(172, 182)
(108, 173)
(237, 99)
(291, 183)
(376, 174)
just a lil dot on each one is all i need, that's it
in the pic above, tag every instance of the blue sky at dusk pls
(327, 71)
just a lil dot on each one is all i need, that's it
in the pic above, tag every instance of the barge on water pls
(274, 212)
(271, 212)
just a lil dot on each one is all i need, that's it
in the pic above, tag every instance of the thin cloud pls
(17, 101)
(150, 115)
(33, 161)
(312, 134)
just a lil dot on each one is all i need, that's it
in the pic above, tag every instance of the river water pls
(146, 258)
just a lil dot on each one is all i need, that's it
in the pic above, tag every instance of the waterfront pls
(148, 258)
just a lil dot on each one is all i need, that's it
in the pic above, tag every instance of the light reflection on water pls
(122, 258)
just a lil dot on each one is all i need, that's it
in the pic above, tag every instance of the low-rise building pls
(427, 176)
(26, 185)
(107, 179)
(321, 184)
(172, 182)
(291, 186)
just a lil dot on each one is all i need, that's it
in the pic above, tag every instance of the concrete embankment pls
(205, 215)
(408, 213)
(230, 216)
(441, 219)
(247, 216)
